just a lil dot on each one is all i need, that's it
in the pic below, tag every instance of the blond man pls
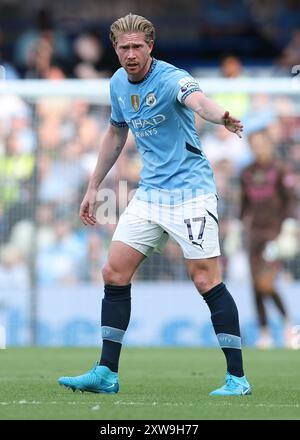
(176, 198)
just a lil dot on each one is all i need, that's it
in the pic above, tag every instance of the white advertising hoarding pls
(165, 313)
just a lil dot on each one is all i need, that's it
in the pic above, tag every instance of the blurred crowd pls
(62, 41)
(48, 151)
(45, 51)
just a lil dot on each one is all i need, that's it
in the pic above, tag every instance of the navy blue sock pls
(225, 320)
(115, 315)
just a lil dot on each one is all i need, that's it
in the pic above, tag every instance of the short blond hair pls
(132, 23)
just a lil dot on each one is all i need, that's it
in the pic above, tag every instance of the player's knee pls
(203, 282)
(113, 276)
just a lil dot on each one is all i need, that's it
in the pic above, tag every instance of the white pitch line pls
(34, 402)
(257, 405)
(119, 402)
(172, 404)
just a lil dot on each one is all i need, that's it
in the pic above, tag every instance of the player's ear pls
(150, 45)
(115, 45)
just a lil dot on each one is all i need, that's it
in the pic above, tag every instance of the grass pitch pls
(155, 384)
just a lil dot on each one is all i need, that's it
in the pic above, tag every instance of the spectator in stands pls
(7, 70)
(36, 48)
(21, 128)
(290, 55)
(63, 176)
(96, 254)
(27, 235)
(14, 274)
(92, 58)
(55, 72)
(234, 150)
(231, 67)
(17, 171)
(63, 260)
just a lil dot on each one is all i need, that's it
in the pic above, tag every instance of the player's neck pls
(141, 75)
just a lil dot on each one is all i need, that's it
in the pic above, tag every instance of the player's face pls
(261, 146)
(134, 54)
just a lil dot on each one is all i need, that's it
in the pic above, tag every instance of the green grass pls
(155, 383)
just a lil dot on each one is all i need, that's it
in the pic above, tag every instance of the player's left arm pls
(212, 112)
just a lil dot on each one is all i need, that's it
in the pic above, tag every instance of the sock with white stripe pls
(225, 320)
(115, 315)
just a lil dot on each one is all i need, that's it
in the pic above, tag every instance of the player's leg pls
(274, 294)
(265, 278)
(195, 229)
(123, 260)
(265, 337)
(133, 240)
(288, 333)
(206, 275)
(260, 286)
(271, 272)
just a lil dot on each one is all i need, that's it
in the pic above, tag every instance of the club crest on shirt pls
(150, 99)
(135, 102)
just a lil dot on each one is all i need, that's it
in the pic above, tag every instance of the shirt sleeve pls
(116, 117)
(181, 85)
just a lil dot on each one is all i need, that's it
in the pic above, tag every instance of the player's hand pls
(87, 207)
(232, 124)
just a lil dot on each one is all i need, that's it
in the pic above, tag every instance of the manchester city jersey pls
(164, 130)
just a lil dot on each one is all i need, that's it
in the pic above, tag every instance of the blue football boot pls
(234, 386)
(100, 379)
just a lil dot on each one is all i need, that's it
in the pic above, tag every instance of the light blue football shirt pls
(164, 130)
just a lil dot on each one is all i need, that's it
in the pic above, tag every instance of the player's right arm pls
(188, 93)
(212, 112)
(111, 147)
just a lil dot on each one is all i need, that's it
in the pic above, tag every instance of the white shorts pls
(193, 224)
